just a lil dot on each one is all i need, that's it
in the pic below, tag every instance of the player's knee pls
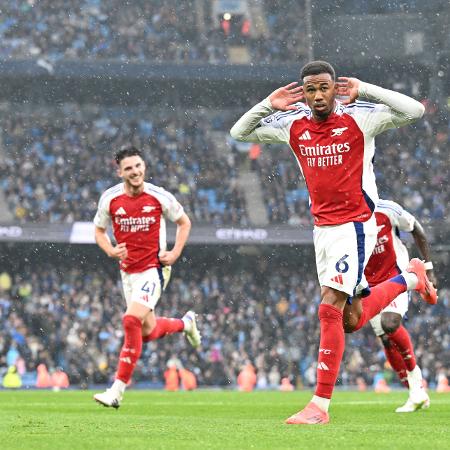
(147, 328)
(350, 324)
(390, 322)
(130, 322)
(333, 297)
(385, 340)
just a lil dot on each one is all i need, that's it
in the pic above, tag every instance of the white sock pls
(119, 386)
(415, 379)
(187, 324)
(322, 403)
(411, 280)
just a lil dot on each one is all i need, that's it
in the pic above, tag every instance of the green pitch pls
(216, 420)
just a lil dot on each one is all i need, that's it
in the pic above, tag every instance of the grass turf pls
(216, 420)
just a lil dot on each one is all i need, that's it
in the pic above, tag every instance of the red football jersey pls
(390, 255)
(335, 155)
(139, 222)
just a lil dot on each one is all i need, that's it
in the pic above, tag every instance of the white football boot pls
(109, 398)
(190, 329)
(414, 403)
(418, 397)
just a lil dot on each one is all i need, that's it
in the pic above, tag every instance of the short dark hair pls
(316, 68)
(127, 151)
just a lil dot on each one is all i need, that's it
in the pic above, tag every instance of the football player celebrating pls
(333, 143)
(388, 259)
(138, 212)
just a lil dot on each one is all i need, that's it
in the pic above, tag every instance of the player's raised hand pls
(284, 97)
(348, 87)
(168, 258)
(119, 251)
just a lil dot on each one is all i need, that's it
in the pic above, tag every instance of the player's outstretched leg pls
(424, 286)
(414, 278)
(166, 326)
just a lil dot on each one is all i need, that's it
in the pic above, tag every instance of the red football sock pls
(131, 349)
(396, 361)
(402, 341)
(331, 349)
(380, 296)
(164, 326)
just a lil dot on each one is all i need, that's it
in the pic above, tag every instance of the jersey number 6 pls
(342, 265)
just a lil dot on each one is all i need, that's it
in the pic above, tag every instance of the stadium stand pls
(56, 159)
(45, 178)
(145, 31)
(68, 317)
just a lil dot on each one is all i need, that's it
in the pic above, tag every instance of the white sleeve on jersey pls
(393, 109)
(102, 217)
(398, 216)
(171, 209)
(252, 128)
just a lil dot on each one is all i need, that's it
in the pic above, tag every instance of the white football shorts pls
(145, 287)
(399, 305)
(342, 252)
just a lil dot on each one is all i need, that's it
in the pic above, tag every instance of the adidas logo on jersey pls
(305, 136)
(338, 279)
(120, 212)
(337, 131)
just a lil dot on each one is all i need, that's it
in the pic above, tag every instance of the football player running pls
(389, 258)
(138, 212)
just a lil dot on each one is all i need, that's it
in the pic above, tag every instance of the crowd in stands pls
(55, 167)
(411, 166)
(69, 315)
(152, 31)
(45, 178)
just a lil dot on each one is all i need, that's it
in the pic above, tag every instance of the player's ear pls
(119, 173)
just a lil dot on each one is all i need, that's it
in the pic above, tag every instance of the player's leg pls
(401, 344)
(164, 326)
(337, 274)
(131, 350)
(142, 291)
(400, 352)
(391, 351)
(361, 310)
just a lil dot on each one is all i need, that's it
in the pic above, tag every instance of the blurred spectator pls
(246, 379)
(12, 379)
(172, 380)
(59, 379)
(43, 379)
(188, 380)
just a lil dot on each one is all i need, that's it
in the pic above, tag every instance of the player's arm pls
(422, 244)
(168, 258)
(248, 128)
(118, 251)
(401, 109)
